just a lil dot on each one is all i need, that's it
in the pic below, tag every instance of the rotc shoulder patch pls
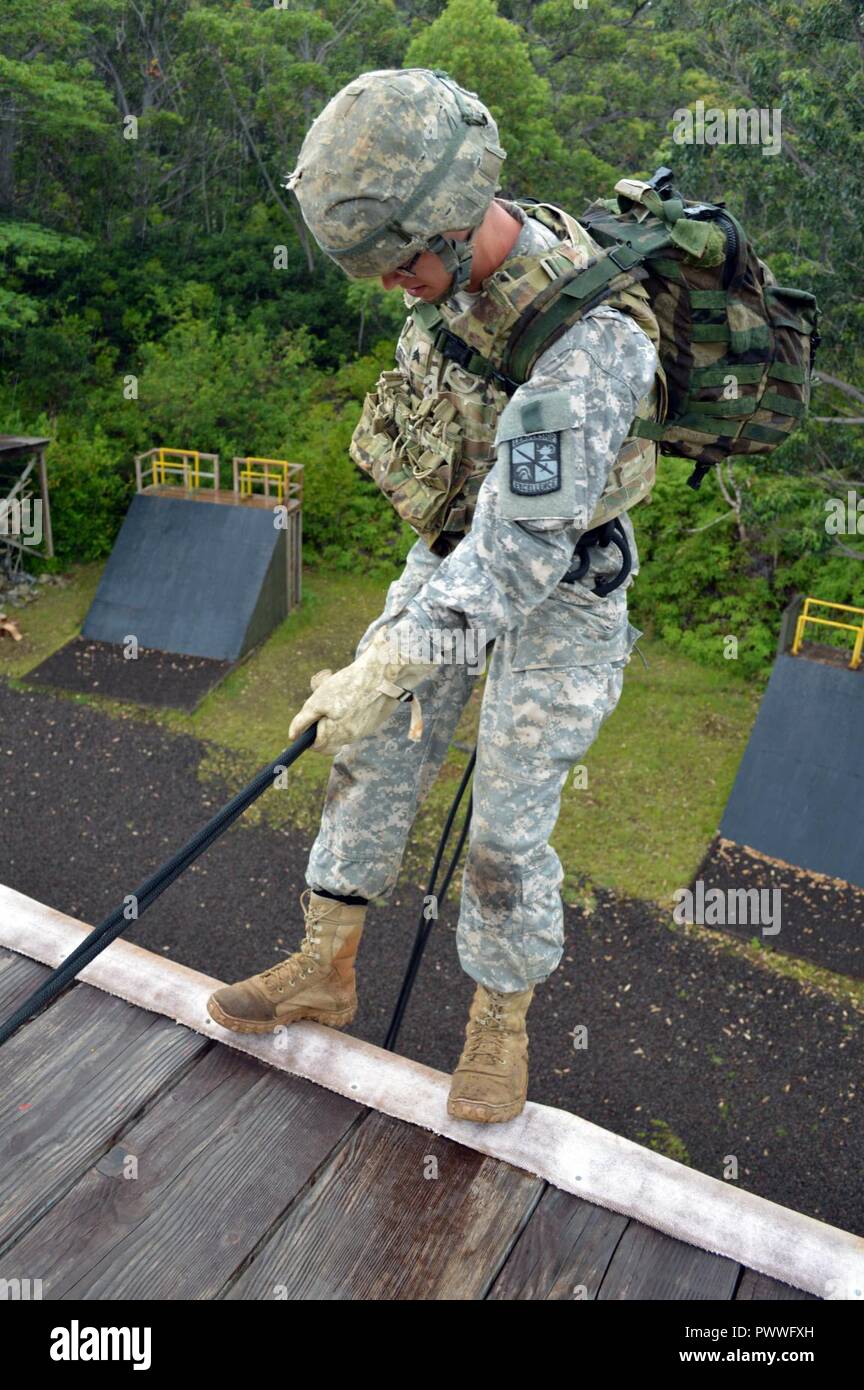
(541, 455)
(535, 464)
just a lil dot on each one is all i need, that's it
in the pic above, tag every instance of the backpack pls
(737, 348)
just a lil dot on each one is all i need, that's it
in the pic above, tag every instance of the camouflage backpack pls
(736, 347)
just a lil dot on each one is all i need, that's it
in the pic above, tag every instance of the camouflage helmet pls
(397, 157)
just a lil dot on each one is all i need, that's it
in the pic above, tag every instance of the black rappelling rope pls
(116, 921)
(150, 890)
(424, 926)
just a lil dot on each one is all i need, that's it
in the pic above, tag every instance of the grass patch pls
(658, 777)
(663, 1140)
(843, 989)
(50, 621)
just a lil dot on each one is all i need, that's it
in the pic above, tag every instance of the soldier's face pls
(425, 276)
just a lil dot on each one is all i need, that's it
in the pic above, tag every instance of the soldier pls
(506, 486)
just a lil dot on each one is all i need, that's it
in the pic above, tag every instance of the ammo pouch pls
(416, 457)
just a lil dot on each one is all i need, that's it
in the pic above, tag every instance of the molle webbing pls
(426, 434)
(736, 348)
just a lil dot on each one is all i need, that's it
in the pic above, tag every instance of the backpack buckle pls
(453, 348)
(623, 256)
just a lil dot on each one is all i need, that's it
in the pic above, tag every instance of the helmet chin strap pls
(457, 257)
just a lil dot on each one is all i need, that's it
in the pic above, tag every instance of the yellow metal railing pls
(194, 471)
(181, 467)
(806, 617)
(165, 458)
(251, 474)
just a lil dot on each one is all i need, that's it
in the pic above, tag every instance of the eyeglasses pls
(408, 267)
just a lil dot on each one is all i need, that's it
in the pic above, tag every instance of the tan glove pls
(361, 697)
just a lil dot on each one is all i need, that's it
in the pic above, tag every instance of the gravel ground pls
(821, 919)
(691, 1049)
(161, 679)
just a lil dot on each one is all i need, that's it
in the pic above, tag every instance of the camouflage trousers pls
(534, 726)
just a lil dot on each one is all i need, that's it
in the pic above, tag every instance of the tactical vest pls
(426, 434)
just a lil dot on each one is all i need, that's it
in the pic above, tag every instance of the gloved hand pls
(361, 697)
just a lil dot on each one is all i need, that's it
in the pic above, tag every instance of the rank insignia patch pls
(535, 464)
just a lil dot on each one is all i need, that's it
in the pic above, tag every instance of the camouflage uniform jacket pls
(506, 573)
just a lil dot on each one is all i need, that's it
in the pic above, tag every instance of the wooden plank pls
(754, 1285)
(563, 1252)
(185, 1195)
(650, 1265)
(568, 1245)
(70, 1079)
(397, 1214)
(19, 976)
(47, 533)
(565, 1150)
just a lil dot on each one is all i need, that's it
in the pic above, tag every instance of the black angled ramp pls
(197, 578)
(799, 792)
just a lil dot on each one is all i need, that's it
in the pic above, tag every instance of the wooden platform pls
(141, 1159)
(224, 498)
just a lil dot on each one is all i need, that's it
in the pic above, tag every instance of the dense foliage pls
(159, 285)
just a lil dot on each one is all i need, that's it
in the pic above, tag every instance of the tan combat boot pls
(317, 982)
(491, 1081)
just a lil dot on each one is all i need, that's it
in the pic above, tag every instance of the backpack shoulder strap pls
(611, 276)
(455, 349)
(603, 280)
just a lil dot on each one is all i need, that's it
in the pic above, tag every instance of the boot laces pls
(307, 959)
(487, 1034)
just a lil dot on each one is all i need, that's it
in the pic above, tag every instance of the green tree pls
(803, 209)
(31, 256)
(50, 93)
(615, 78)
(489, 55)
